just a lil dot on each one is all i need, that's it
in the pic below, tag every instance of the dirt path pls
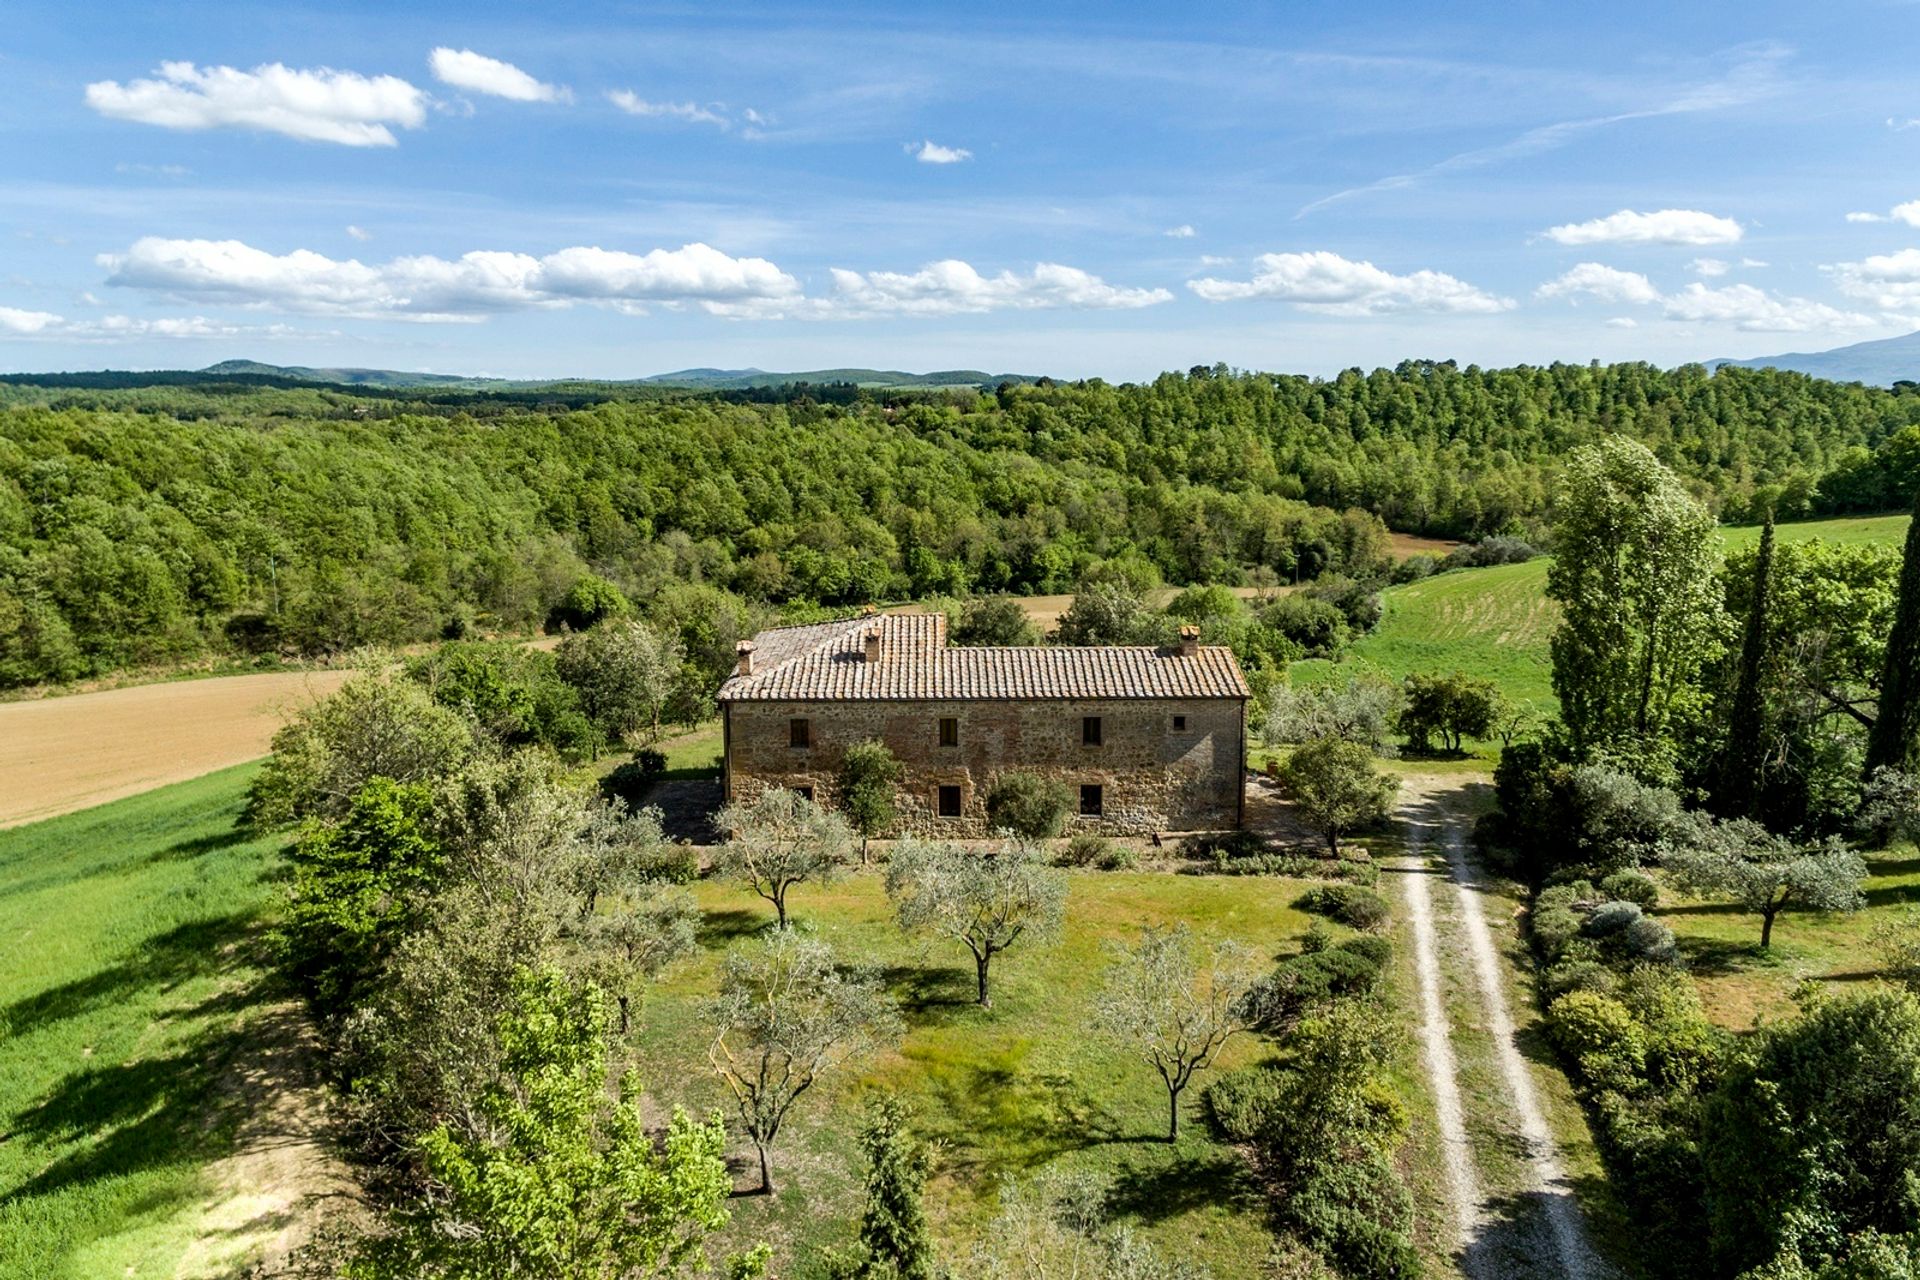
(62, 754)
(1434, 809)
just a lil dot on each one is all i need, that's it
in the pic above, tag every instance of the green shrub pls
(1632, 885)
(1316, 939)
(1371, 947)
(1028, 805)
(1238, 1103)
(676, 864)
(1350, 904)
(1086, 850)
(1119, 857)
(1577, 975)
(1601, 1035)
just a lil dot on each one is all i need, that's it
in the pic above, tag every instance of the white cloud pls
(1908, 213)
(1710, 267)
(1890, 281)
(952, 286)
(1663, 226)
(1596, 280)
(477, 73)
(1753, 264)
(690, 112)
(931, 152)
(321, 105)
(359, 233)
(1214, 260)
(153, 170)
(1181, 232)
(14, 320)
(1322, 281)
(1866, 217)
(1756, 311)
(431, 288)
(1622, 322)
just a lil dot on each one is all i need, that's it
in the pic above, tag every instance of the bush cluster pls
(1350, 904)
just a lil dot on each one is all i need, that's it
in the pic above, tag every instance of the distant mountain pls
(349, 377)
(1881, 363)
(888, 379)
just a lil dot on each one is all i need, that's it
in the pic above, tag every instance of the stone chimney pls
(873, 644)
(744, 667)
(1189, 641)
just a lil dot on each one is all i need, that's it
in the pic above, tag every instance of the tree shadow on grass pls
(718, 930)
(1191, 1181)
(1716, 956)
(1028, 1120)
(190, 950)
(931, 994)
(1887, 895)
(187, 850)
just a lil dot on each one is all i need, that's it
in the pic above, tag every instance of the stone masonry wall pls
(1154, 777)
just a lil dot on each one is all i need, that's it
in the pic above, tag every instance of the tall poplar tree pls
(1747, 735)
(1894, 740)
(1633, 572)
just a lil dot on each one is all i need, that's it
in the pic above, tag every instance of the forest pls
(147, 525)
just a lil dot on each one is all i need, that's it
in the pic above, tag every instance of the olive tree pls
(985, 900)
(1359, 709)
(624, 672)
(1174, 1006)
(1764, 873)
(786, 1016)
(1335, 787)
(1454, 707)
(780, 839)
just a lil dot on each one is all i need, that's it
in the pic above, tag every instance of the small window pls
(1091, 799)
(805, 793)
(1179, 724)
(949, 802)
(799, 733)
(1090, 731)
(949, 731)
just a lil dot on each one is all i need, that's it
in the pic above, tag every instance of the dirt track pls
(62, 754)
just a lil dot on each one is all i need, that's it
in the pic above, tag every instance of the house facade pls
(1145, 739)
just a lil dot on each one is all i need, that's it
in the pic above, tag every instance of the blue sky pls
(1099, 189)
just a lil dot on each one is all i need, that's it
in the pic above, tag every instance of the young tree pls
(567, 1184)
(1745, 754)
(1032, 807)
(994, 620)
(1633, 572)
(1894, 739)
(1455, 707)
(987, 901)
(1058, 1226)
(376, 725)
(1359, 709)
(896, 1242)
(1175, 1010)
(1109, 613)
(631, 925)
(781, 839)
(625, 673)
(786, 1016)
(1336, 788)
(868, 775)
(1890, 807)
(1765, 873)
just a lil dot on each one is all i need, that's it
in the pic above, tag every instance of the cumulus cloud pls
(477, 73)
(1663, 226)
(14, 320)
(1740, 305)
(952, 286)
(931, 152)
(320, 105)
(1890, 281)
(1866, 217)
(1596, 280)
(1327, 282)
(359, 233)
(1181, 232)
(430, 288)
(1710, 267)
(41, 324)
(688, 112)
(1622, 322)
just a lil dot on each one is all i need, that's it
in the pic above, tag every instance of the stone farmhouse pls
(1146, 739)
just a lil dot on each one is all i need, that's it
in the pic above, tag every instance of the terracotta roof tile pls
(827, 661)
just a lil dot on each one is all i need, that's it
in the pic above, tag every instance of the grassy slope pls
(1009, 1091)
(131, 979)
(1496, 622)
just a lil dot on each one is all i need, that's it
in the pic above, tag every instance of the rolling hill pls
(1881, 363)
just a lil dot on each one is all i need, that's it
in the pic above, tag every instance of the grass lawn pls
(1008, 1091)
(131, 980)
(1742, 984)
(1496, 622)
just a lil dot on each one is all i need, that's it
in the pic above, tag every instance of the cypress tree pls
(893, 1229)
(1894, 740)
(1746, 749)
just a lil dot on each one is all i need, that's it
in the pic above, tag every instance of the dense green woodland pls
(155, 524)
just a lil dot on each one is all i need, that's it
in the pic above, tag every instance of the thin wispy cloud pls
(953, 287)
(477, 73)
(931, 152)
(1334, 285)
(1908, 213)
(684, 112)
(1181, 232)
(318, 105)
(1752, 77)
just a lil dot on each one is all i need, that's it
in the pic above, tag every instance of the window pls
(949, 731)
(949, 802)
(1090, 731)
(805, 793)
(1179, 724)
(1091, 798)
(799, 733)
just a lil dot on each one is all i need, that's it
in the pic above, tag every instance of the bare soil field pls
(58, 755)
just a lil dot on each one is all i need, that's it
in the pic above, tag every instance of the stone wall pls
(1153, 777)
